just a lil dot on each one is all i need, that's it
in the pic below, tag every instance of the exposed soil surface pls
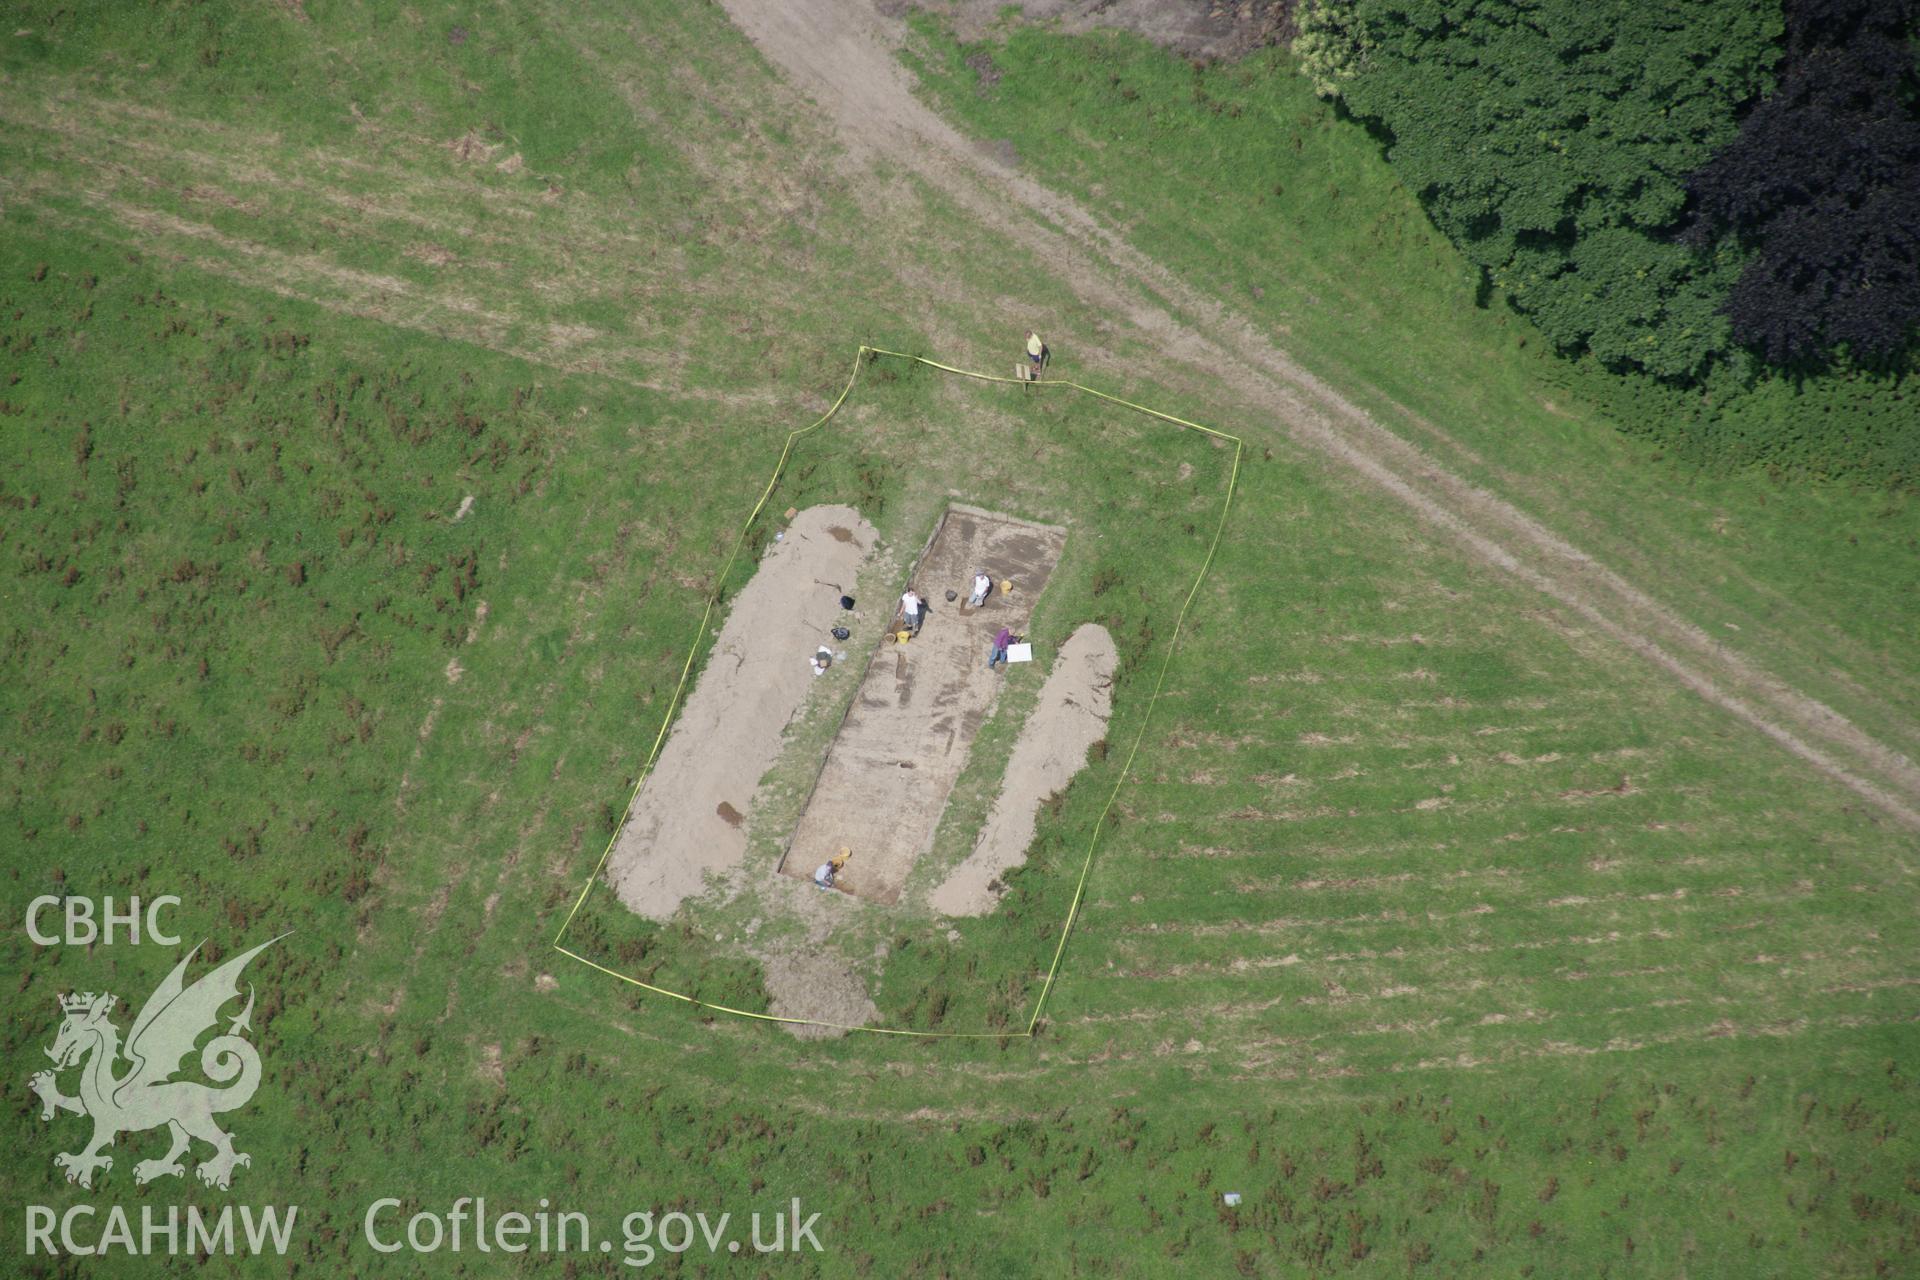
(686, 821)
(816, 984)
(1070, 717)
(891, 767)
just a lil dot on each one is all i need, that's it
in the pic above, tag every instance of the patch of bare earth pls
(685, 822)
(816, 984)
(840, 53)
(1071, 716)
(886, 778)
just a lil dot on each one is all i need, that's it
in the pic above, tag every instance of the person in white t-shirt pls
(982, 588)
(913, 610)
(827, 875)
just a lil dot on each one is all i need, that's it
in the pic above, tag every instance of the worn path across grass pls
(831, 49)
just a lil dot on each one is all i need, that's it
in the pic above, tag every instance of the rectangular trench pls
(889, 770)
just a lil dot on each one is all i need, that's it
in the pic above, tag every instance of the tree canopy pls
(1551, 140)
(1822, 187)
(1632, 177)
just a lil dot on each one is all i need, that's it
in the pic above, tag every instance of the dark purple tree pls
(1823, 185)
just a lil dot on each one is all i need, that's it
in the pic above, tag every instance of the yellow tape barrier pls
(1126, 768)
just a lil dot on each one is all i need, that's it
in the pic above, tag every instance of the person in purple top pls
(1000, 643)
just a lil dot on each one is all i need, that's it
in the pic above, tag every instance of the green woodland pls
(1616, 171)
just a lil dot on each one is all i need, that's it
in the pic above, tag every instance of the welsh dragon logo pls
(145, 1096)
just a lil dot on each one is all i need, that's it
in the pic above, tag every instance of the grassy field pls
(1143, 498)
(1446, 933)
(1239, 178)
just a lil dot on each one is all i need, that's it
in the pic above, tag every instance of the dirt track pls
(840, 53)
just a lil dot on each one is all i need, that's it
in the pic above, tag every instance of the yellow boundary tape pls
(1126, 768)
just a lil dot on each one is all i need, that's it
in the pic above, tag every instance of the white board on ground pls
(1070, 717)
(689, 818)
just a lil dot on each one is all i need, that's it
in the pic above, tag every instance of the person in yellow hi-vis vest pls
(1036, 353)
